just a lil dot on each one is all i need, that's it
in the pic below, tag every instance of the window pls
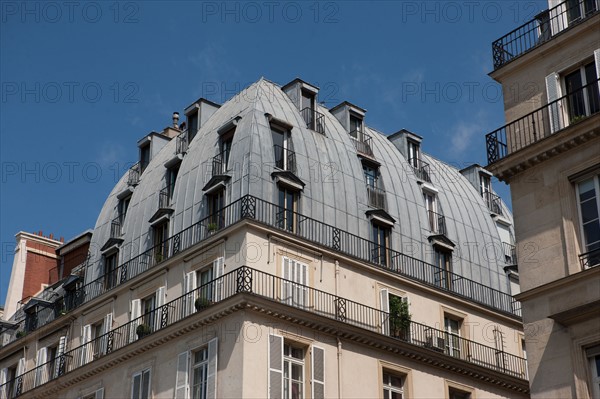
(52, 353)
(11, 374)
(160, 233)
(199, 373)
(295, 280)
(293, 372)
(524, 350)
(122, 209)
(204, 277)
(431, 207)
(286, 216)
(307, 108)
(381, 237)
(216, 203)
(593, 357)
(96, 332)
(141, 385)
(577, 9)
(371, 175)
(396, 316)
(589, 209)
(144, 156)
(285, 158)
(443, 261)
(356, 127)
(192, 123)
(485, 184)
(454, 393)
(203, 283)
(110, 270)
(452, 327)
(148, 306)
(93, 338)
(582, 102)
(171, 178)
(375, 193)
(414, 153)
(146, 313)
(225, 146)
(99, 394)
(393, 386)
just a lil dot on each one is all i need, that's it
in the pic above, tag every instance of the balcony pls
(219, 164)
(164, 198)
(285, 159)
(115, 228)
(362, 143)
(255, 283)
(421, 168)
(437, 222)
(493, 202)
(541, 29)
(590, 259)
(544, 122)
(133, 178)
(314, 120)
(181, 146)
(376, 197)
(510, 253)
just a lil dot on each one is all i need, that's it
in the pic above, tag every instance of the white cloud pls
(464, 131)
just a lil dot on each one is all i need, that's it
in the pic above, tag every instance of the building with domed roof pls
(277, 248)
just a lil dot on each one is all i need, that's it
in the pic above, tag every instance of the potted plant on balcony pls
(142, 330)
(202, 303)
(212, 227)
(21, 334)
(400, 318)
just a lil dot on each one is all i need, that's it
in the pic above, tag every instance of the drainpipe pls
(339, 370)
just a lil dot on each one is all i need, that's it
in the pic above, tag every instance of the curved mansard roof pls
(335, 191)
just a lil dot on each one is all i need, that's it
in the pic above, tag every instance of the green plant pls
(400, 316)
(21, 334)
(212, 227)
(201, 303)
(577, 118)
(142, 330)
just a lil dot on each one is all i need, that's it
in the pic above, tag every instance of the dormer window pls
(485, 184)
(225, 143)
(356, 126)
(375, 192)
(414, 153)
(192, 126)
(285, 158)
(144, 156)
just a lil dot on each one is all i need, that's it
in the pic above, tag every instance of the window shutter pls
(189, 282)
(60, 351)
(85, 339)
(21, 367)
(597, 62)
(160, 301)
(286, 288)
(211, 378)
(41, 358)
(136, 310)
(218, 266)
(552, 92)
(385, 309)
(136, 387)
(107, 327)
(318, 373)
(3, 376)
(181, 379)
(275, 366)
(100, 393)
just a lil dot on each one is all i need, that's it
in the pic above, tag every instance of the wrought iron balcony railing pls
(437, 222)
(219, 163)
(590, 259)
(309, 229)
(285, 159)
(543, 122)
(181, 146)
(376, 197)
(541, 29)
(362, 142)
(115, 228)
(164, 198)
(421, 168)
(510, 253)
(493, 202)
(314, 120)
(245, 280)
(133, 177)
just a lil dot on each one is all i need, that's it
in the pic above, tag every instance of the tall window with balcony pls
(375, 192)
(307, 107)
(295, 280)
(160, 233)
(110, 269)
(581, 88)
(285, 158)
(579, 9)
(452, 326)
(192, 125)
(171, 177)
(144, 156)
(437, 222)
(361, 140)
(123, 207)
(381, 244)
(443, 261)
(216, 216)
(286, 213)
(588, 191)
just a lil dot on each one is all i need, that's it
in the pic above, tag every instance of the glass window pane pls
(589, 210)
(586, 190)
(591, 232)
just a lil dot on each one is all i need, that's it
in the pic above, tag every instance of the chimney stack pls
(176, 120)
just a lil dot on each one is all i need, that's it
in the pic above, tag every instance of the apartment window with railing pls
(295, 280)
(123, 207)
(582, 94)
(452, 326)
(578, 9)
(381, 243)
(414, 153)
(192, 125)
(393, 385)
(144, 156)
(171, 177)
(288, 203)
(436, 220)
(588, 196)
(209, 290)
(110, 269)
(443, 261)
(216, 203)
(285, 157)
(160, 233)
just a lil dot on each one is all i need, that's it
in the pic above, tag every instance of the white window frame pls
(203, 365)
(141, 374)
(294, 289)
(388, 387)
(288, 362)
(596, 180)
(450, 348)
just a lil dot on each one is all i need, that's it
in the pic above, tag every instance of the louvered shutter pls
(286, 289)
(597, 62)
(62, 346)
(385, 311)
(181, 379)
(160, 301)
(86, 348)
(555, 109)
(3, 376)
(211, 378)
(189, 282)
(136, 310)
(107, 327)
(318, 373)
(40, 373)
(275, 366)
(218, 266)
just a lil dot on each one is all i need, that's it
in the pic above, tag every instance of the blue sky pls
(83, 81)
